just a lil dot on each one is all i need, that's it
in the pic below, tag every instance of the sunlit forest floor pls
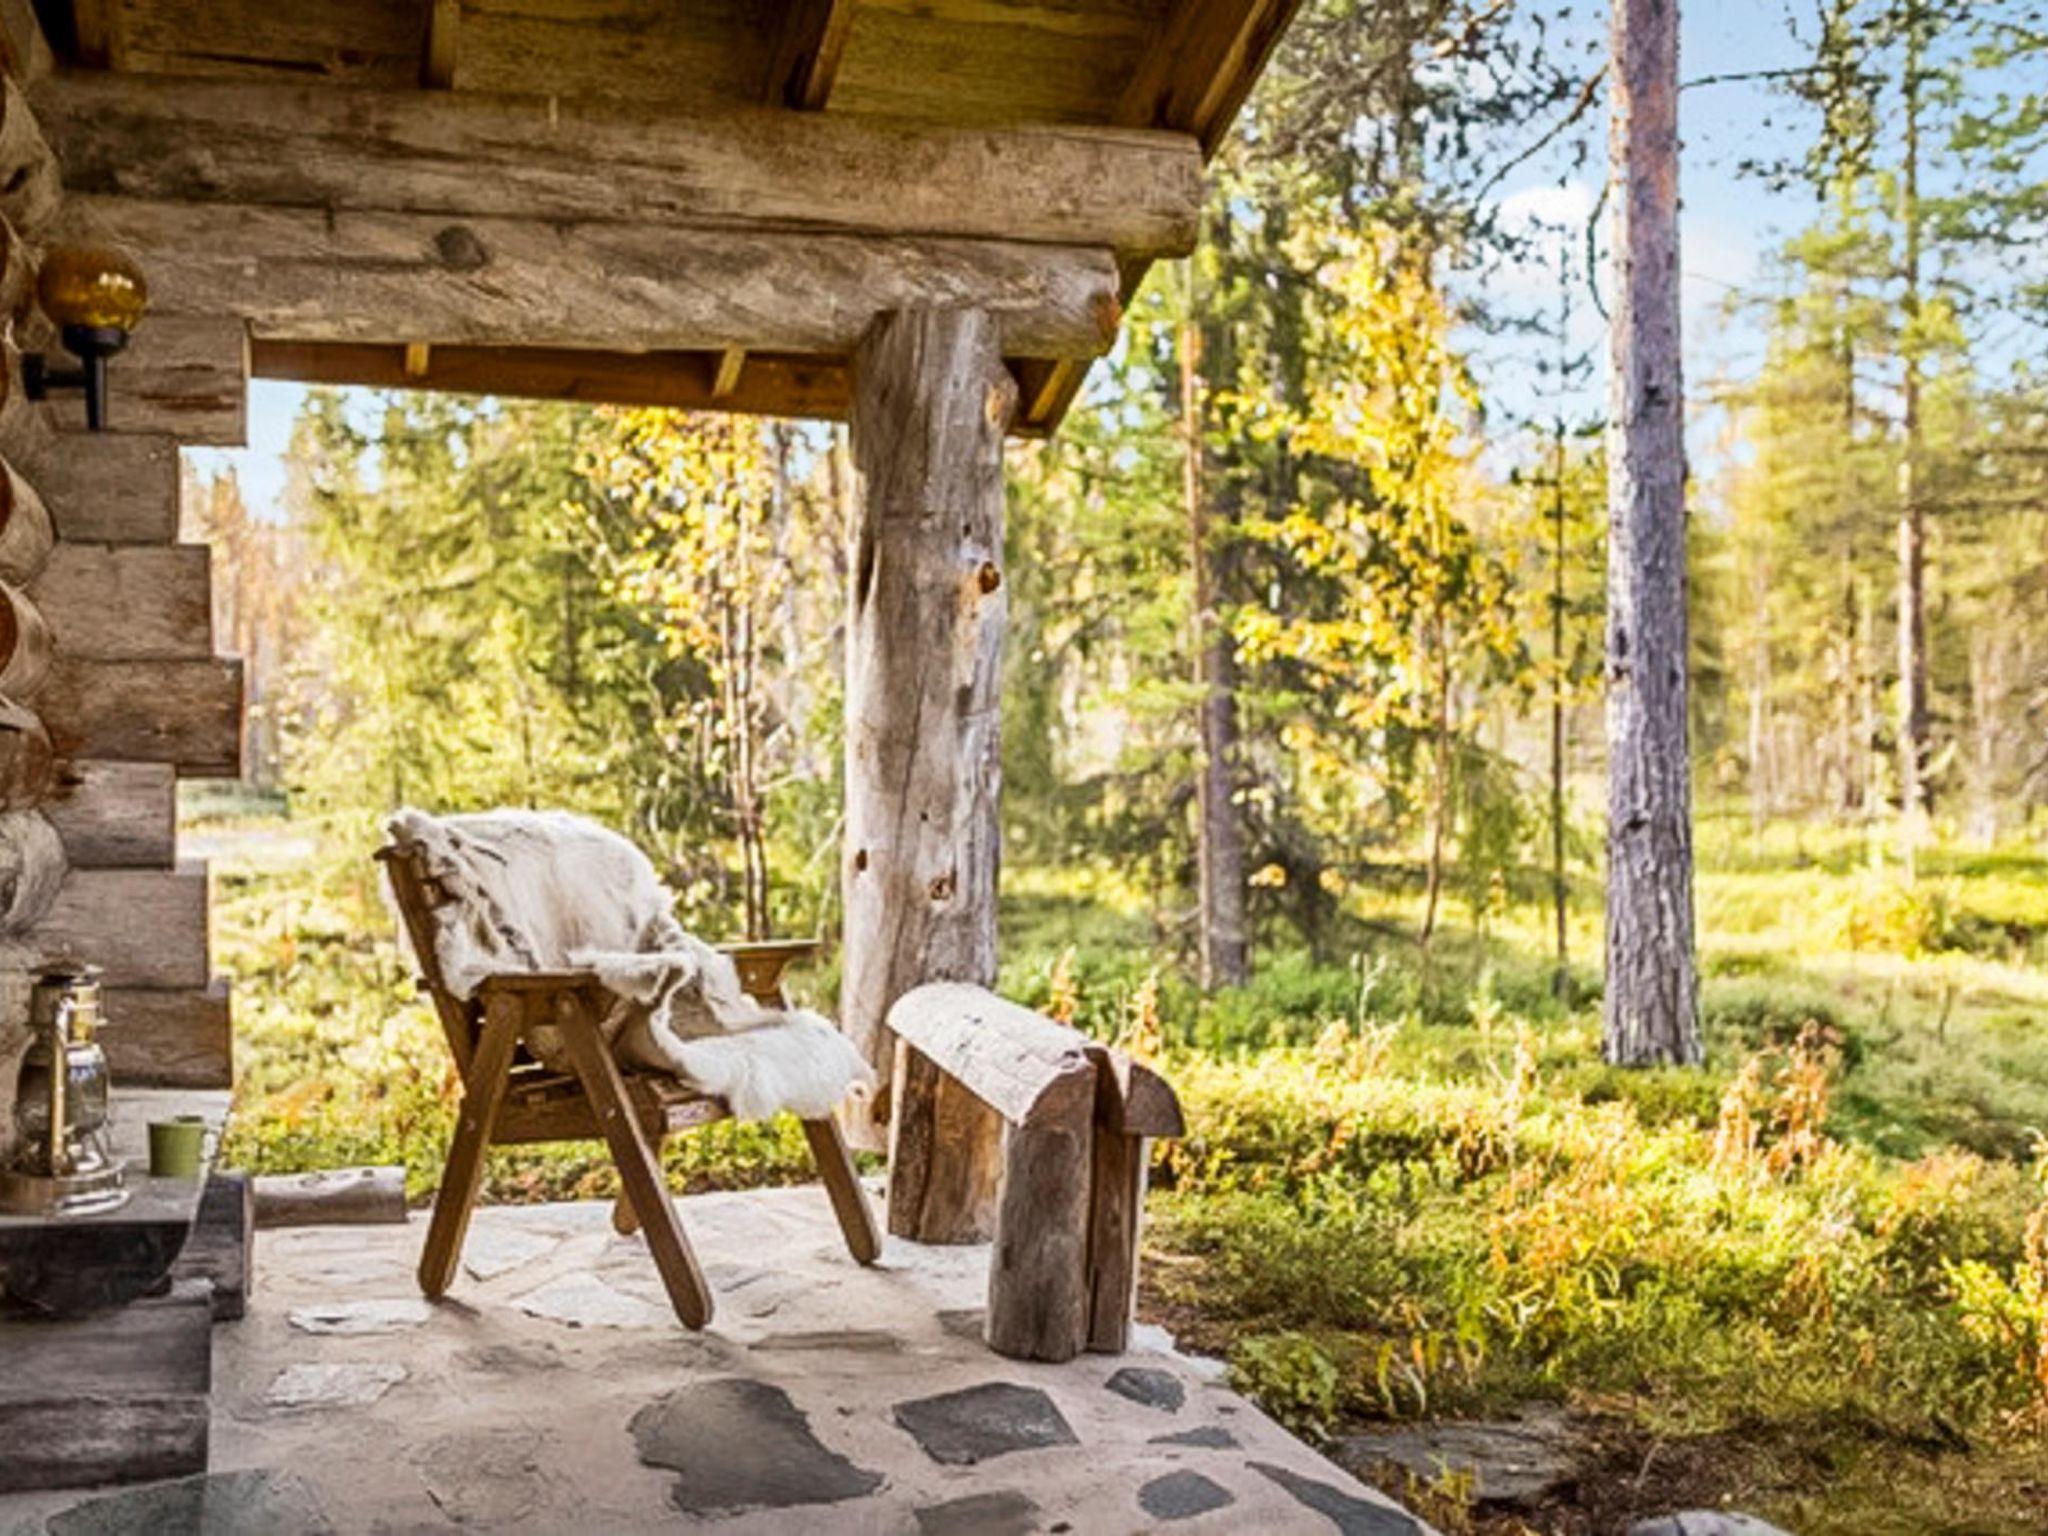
(1803, 1282)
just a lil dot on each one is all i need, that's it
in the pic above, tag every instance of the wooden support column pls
(931, 403)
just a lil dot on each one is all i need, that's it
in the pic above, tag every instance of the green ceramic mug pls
(178, 1147)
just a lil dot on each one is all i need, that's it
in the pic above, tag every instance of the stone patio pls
(554, 1392)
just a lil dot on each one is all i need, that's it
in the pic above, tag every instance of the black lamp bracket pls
(92, 345)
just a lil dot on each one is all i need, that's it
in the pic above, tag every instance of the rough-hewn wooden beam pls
(171, 1037)
(769, 385)
(118, 488)
(814, 34)
(143, 927)
(377, 277)
(469, 155)
(113, 815)
(185, 713)
(128, 602)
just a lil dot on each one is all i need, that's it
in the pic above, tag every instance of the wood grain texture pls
(770, 385)
(117, 488)
(31, 186)
(26, 532)
(924, 645)
(467, 155)
(306, 275)
(332, 1197)
(813, 40)
(28, 763)
(25, 645)
(106, 602)
(171, 1037)
(1009, 1056)
(185, 713)
(1116, 1210)
(1038, 1291)
(142, 927)
(32, 872)
(24, 50)
(116, 815)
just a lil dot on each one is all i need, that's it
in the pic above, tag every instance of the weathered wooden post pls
(926, 612)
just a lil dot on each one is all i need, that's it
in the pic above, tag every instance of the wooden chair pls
(510, 1099)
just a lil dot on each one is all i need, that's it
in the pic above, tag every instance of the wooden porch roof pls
(1021, 83)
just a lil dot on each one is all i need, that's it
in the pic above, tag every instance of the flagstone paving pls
(553, 1392)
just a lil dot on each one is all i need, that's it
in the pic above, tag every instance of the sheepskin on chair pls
(547, 890)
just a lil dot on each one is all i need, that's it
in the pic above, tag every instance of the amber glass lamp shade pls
(94, 287)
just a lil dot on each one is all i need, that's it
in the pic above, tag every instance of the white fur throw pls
(545, 890)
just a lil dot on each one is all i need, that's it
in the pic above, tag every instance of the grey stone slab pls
(378, 1315)
(1510, 1461)
(1005, 1512)
(487, 1478)
(964, 1322)
(1705, 1522)
(491, 1251)
(1207, 1437)
(582, 1300)
(1182, 1496)
(741, 1444)
(509, 1359)
(1351, 1515)
(977, 1423)
(261, 1502)
(1149, 1385)
(320, 1385)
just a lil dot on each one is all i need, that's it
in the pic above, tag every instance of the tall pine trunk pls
(1652, 1002)
(1913, 718)
(1225, 944)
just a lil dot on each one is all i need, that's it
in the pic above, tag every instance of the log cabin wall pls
(110, 689)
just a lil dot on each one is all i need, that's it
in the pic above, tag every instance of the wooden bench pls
(1076, 1119)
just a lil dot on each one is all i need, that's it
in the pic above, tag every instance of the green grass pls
(1411, 1192)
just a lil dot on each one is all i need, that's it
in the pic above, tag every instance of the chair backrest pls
(416, 896)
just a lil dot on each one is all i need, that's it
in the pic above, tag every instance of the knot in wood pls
(1000, 401)
(460, 250)
(945, 885)
(988, 578)
(860, 861)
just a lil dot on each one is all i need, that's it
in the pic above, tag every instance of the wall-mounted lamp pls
(96, 295)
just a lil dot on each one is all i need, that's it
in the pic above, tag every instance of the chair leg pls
(639, 1170)
(483, 1093)
(842, 1183)
(626, 1220)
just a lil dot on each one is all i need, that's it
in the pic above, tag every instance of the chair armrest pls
(539, 981)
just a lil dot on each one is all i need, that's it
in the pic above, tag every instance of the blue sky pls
(1729, 224)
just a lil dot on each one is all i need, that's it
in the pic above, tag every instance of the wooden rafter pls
(769, 385)
(438, 49)
(96, 33)
(814, 36)
(1193, 78)
(1201, 67)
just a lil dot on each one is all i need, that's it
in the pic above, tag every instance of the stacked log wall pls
(110, 689)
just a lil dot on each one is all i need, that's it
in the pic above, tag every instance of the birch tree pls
(1652, 1000)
